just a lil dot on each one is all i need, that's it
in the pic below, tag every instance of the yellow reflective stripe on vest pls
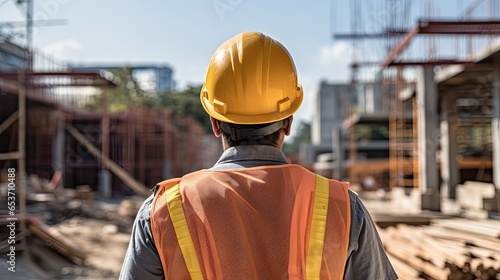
(318, 227)
(316, 235)
(179, 222)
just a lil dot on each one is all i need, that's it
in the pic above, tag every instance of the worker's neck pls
(226, 146)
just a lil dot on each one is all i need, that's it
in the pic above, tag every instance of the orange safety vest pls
(272, 222)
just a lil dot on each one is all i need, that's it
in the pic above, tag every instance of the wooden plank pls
(454, 254)
(55, 241)
(487, 257)
(436, 252)
(403, 270)
(463, 237)
(414, 257)
(471, 226)
(404, 253)
(475, 162)
(413, 237)
(386, 220)
(9, 156)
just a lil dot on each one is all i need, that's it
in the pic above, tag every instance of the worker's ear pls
(287, 128)
(216, 127)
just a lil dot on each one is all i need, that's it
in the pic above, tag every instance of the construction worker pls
(253, 215)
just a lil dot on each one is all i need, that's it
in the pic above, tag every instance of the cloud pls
(63, 48)
(337, 52)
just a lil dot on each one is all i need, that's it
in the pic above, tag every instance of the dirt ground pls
(104, 245)
(100, 240)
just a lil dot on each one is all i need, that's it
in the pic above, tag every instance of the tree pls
(125, 96)
(186, 102)
(128, 95)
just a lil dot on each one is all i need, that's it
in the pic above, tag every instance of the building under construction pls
(437, 67)
(435, 94)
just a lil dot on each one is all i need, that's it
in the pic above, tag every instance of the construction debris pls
(85, 193)
(447, 249)
(130, 206)
(70, 234)
(103, 243)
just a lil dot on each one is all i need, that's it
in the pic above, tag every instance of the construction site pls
(416, 131)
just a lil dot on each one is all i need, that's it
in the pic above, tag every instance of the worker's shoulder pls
(165, 185)
(168, 183)
(143, 212)
(353, 196)
(358, 210)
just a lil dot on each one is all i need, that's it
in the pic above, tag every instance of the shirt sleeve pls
(142, 260)
(367, 258)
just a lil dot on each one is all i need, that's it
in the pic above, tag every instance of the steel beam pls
(432, 62)
(476, 27)
(351, 36)
(400, 47)
(59, 74)
(430, 27)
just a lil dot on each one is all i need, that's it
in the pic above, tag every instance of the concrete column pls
(104, 175)
(450, 172)
(167, 169)
(105, 183)
(428, 139)
(495, 123)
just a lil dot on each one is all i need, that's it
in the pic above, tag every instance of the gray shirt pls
(366, 256)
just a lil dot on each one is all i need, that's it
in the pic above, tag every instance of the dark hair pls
(270, 140)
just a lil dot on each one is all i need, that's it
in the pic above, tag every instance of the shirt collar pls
(252, 153)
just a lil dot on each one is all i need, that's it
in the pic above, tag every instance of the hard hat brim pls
(253, 119)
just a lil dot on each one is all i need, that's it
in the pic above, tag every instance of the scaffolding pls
(403, 133)
(140, 147)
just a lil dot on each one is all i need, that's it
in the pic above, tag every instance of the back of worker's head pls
(251, 88)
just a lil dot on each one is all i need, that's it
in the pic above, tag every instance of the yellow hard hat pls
(251, 79)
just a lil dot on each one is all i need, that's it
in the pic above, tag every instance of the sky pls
(184, 34)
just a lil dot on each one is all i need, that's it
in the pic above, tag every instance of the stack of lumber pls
(446, 249)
